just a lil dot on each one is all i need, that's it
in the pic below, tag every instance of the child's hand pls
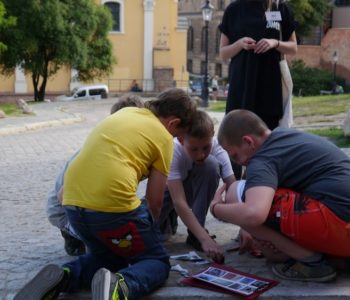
(246, 241)
(213, 251)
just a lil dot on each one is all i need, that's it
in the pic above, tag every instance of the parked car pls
(196, 86)
(88, 92)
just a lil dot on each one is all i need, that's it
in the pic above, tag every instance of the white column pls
(20, 82)
(74, 82)
(148, 83)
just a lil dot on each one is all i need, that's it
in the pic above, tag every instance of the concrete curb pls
(38, 125)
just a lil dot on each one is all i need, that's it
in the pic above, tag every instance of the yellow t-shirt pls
(119, 151)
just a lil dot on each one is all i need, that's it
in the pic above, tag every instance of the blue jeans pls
(127, 243)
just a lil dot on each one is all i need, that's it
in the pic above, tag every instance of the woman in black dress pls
(250, 37)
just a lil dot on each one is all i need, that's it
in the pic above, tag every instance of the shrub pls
(310, 81)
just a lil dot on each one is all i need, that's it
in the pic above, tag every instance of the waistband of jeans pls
(78, 208)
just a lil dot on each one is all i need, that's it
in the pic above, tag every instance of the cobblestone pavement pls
(29, 163)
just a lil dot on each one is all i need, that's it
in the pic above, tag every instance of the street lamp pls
(335, 60)
(207, 12)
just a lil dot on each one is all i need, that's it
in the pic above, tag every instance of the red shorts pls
(309, 223)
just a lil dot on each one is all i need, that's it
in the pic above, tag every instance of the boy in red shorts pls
(296, 198)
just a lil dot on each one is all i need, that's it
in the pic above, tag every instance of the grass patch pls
(218, 106)
(335, 135)
(327, 105)
(321, 105)
(10, 109)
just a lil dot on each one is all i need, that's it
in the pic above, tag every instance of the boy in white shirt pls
(197, 166)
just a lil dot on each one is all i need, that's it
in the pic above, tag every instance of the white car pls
(88, 92)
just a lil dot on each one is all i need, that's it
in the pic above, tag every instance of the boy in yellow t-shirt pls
(102, 206)
(55, 211)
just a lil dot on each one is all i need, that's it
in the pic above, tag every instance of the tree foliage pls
(50, 34)
(310, 81)
(309, 13)
(5, 22)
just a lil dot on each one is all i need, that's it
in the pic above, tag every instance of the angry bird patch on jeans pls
(124, 241)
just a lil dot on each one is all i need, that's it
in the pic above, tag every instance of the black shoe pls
(46, 285)
(72, 245)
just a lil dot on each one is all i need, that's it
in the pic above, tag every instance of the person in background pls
(215, 87)
(54, 209)
(250, 39)
(296, 196)
(135, 87)
(126, 259)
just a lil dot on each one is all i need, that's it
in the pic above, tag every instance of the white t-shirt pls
(182, 163)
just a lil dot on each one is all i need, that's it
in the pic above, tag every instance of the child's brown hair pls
(174, 102)
(202, 126)
(127, 100)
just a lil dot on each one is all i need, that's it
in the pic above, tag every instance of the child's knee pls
(235, 192)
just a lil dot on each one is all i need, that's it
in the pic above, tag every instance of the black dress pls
(255, 79)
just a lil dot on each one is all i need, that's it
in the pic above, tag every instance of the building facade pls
(316, 50)
(191, 9)
(149, 44)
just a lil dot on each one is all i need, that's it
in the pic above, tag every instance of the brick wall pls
(336, 39)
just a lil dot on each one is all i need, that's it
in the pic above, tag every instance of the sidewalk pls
(63, 114)
(46, 114)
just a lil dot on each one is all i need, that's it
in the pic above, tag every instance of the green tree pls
(309, 13)
(51, 34)
(5, 22)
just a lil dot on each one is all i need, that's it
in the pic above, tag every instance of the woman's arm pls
(290, 46)
(284, 47)
(228, 50)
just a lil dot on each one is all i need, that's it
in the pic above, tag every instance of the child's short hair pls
(127, 100)
(238, 123)
(202, 126)
(174, 102)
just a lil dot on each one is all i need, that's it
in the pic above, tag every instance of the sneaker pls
(107, 285)
(46, 285)
(72, 245)
(295, 270)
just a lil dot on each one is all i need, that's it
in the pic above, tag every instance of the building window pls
(218, 70)
(217, 41)
(342, 2)
(221, 4)
(189, 66)
(202, 67)
(203, 40)
(190, 38)
(116, 9)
